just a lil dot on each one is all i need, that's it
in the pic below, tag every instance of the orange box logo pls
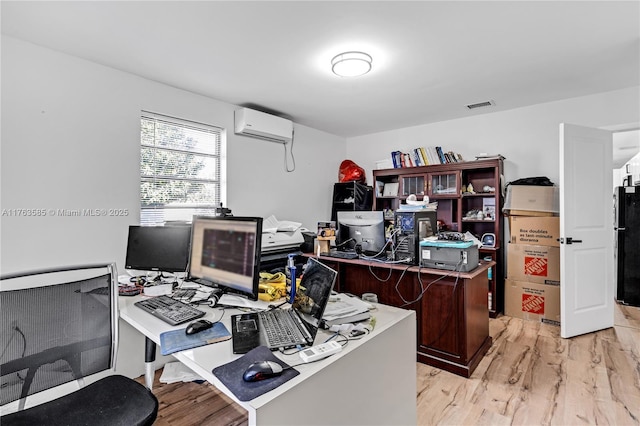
(535, 266)
(533, 304)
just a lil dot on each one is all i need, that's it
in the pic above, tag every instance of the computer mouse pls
(198, 326)
(262, 370)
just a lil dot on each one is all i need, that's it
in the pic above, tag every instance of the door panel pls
(586, 230)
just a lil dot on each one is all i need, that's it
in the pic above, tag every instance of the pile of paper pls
(345, 309)
(174, 372)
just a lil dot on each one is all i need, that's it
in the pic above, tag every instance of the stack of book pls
(424, 156)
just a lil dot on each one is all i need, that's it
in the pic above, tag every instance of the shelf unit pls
(478, 211)
(350, 196)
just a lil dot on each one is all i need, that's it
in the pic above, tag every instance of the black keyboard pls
(280, 330)
(169, 310)
(341, 254)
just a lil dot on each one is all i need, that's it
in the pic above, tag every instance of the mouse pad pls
(231, 374)
(177, 340)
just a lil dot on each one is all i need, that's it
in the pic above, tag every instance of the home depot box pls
(530, 200)
(531, 301)
(532, 263)
(537, 230)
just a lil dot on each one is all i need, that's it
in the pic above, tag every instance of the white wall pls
(70, 140)
(528, 137)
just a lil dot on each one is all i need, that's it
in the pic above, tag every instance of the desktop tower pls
(410, 228)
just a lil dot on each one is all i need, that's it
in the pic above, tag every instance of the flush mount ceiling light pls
(351, 64)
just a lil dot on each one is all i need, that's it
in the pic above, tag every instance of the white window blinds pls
(179, 169)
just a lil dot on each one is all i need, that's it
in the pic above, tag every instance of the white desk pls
(372, 381)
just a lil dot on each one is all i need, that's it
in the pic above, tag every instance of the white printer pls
(281, 240)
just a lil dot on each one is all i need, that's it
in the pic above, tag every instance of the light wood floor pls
(530, 376)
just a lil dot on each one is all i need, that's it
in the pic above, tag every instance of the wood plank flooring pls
(530, 376)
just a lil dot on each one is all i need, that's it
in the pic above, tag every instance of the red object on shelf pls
(350, 171)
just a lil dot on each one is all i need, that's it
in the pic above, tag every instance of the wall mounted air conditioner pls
(249, 122)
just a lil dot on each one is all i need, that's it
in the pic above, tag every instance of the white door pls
(586, 230)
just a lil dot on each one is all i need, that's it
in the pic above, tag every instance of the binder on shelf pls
(425, 159)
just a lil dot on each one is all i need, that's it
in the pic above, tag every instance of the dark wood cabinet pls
(469, 197)
(451, 307)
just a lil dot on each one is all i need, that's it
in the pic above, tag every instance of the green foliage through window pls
(179, 169)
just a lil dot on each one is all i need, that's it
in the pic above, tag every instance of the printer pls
(459, 256)
(282, 241)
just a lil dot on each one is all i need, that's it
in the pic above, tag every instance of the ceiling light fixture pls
(351, 64)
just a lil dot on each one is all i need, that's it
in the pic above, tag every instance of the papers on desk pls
(345, 309)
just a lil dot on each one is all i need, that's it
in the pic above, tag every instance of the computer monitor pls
(158, 248)
(225, 253)
(363, 229)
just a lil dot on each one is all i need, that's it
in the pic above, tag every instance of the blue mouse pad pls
(231, 374)
(177, 340)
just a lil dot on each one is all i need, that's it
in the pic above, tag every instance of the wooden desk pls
(372, 381)
(452, 314)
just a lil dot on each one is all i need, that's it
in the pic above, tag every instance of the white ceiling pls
(430, 58)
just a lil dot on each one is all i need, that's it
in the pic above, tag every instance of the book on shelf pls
(485, 156)
(424, 156)
(416, 157)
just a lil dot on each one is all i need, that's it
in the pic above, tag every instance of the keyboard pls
(341, 254)
(279, 327)
(169, 310)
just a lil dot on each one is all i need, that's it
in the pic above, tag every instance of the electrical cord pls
(344, 242)
(293, 158)
(424, 289)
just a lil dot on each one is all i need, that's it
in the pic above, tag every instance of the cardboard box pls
(529, 200)
(535, 264)
(540, 231)
(531, 301)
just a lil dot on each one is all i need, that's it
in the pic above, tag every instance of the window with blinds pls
(179, 169)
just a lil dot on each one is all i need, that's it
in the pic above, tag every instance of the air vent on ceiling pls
(480, 104)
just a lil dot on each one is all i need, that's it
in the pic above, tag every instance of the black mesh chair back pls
(58, 326)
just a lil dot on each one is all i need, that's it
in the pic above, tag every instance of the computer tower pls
(409, 229)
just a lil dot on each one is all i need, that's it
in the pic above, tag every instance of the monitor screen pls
(225, 252)
(158, 248)
(361, 228)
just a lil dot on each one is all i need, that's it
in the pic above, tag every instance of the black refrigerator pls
(627, 244)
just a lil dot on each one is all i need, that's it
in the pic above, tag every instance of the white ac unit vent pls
(481, 104)
(257, 124)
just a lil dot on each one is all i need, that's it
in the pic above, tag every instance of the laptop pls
(287, 328)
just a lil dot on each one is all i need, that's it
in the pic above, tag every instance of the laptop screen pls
(314, 291)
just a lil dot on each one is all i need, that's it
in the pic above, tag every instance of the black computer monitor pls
(158, 248)
(361, 230)
(225, 253)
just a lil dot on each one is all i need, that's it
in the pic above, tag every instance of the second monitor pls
(225, 253)
(362, 231)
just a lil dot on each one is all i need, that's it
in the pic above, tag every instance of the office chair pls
(61, 325)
